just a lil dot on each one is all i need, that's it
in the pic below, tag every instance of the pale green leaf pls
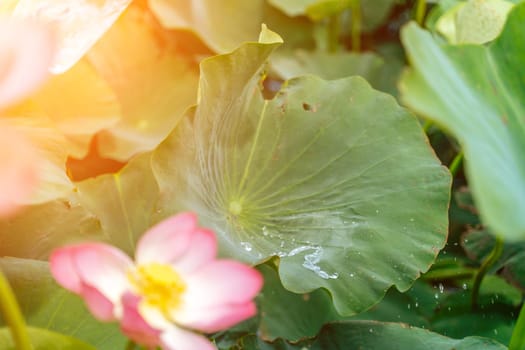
(476, 93)
(474, 21)
(38, 229)
(481, 21)
(124, 202)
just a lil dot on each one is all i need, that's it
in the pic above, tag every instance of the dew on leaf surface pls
(311, 261)
(247, 246)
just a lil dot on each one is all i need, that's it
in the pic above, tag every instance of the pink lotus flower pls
(26, 51)
(175, 285)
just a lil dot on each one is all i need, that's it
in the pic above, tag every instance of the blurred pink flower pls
(26, 52)
(19, 173)
(175, 285)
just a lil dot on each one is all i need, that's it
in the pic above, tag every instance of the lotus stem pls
(334, 30)
(456, 163)
(12, 315)
(421, 9)
(356, 25)
(489, 261)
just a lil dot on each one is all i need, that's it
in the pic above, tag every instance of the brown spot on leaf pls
(309, 108)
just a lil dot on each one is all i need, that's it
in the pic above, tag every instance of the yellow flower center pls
(160, 286)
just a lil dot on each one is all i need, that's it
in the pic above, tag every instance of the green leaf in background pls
(494, 317)
(481, 21)
(474, 21)
(333, 177)
(326, 65)
(46, 305)
(373, 67)
(372, 335)
(479, 243)
(42, 339)
(374, 12)
(476, 93)
(410, 307)
(322, 9)
(291, 316)
(514, 270)
(293, 7)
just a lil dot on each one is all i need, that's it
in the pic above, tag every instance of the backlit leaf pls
(333, 177)
(154, 82)
(80, 23)
(476, 93)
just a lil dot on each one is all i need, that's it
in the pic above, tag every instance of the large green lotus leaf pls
(46, 305)
(331, 176)
(154, 83)
(42, 339)
(476, 93)
(244, 19)
(124, 202)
